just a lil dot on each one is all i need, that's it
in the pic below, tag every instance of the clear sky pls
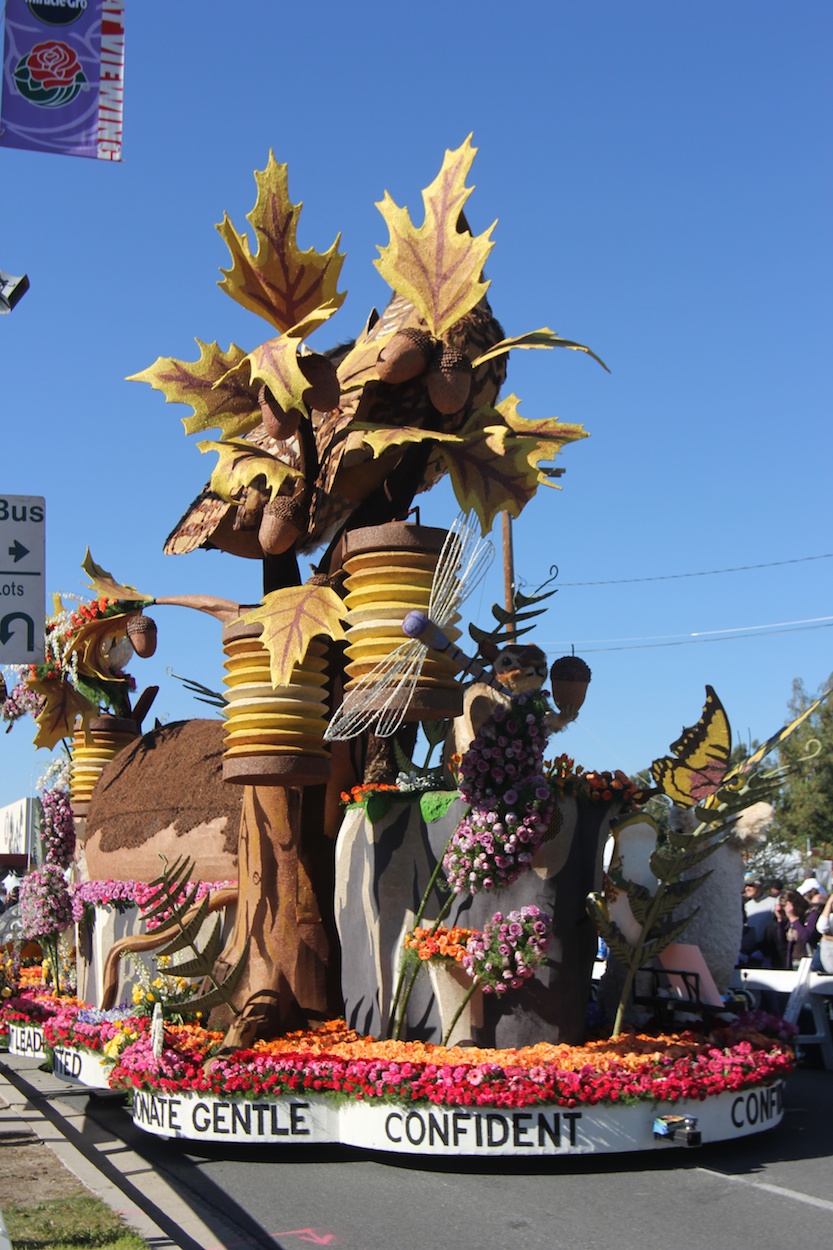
(662, 178)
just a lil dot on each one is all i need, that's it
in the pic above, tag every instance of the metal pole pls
(508, 569)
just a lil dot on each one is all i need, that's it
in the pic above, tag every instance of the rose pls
(53, 65)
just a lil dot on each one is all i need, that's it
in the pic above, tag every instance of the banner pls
(63, 77)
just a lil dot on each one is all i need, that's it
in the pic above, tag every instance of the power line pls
(682, 640)
(667, 577)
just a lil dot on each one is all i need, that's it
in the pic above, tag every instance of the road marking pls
(780, 1190)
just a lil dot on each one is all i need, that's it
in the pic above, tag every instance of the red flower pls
(53, 64)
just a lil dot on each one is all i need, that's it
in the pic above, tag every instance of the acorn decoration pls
(570, 677)
(406, 356)
(279, 424)
(141, 630)
(324, 390)
(449, 379)
(285, 519)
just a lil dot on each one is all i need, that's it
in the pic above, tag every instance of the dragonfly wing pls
(381, 695)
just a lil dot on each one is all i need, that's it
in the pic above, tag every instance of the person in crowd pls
(758, 909)
(824, 927)
(792, 932)
(776, 887)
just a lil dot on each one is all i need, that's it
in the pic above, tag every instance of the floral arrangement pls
(570, 780)
(20, 700)
(438, 943)
(336, 1060)
(511, 804)
(124, 894)
(45, 904)
(107, 1033)
(508, 950)
(172, 991)
(57, 827)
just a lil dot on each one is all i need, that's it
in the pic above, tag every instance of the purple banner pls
(63, 77)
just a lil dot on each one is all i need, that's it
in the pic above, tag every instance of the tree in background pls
(804, 807)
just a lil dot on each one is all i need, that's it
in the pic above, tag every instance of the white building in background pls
(19, 824)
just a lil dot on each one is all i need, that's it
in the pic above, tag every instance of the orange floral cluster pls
(439, 943)
(358, 793)
(568, 778)
(30, 977)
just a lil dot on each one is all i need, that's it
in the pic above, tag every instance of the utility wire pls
(712, 635)
(667, 577)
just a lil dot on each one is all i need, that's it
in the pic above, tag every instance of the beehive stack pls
(390, 569)
(92, 749)
(273, 736)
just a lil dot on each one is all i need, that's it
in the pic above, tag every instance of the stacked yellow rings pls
(273, 736)
(92, 750)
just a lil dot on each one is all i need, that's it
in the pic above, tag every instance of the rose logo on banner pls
(51, 75)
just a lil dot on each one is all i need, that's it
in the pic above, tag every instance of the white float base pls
(71, 1063)
(424, 1130)
(27, 1041)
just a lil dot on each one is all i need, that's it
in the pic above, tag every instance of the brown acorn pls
(569, 677)
(141, 630)
(281, 425)
(406, 356)
(449, 379)
(324, 390)
(285, 519)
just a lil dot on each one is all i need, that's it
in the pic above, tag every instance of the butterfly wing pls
(699, 758)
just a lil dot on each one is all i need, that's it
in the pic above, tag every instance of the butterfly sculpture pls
(698, 766)
(380, 698)
(699, 759)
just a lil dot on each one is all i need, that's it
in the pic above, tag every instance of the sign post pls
(22, 569)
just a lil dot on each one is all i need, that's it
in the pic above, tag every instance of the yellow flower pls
(6, 991)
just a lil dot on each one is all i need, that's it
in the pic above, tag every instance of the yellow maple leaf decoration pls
(493, 462)
(279, 281)
(436, 267)
(56, 720)
(291, 618)
(241, 464)
(220, 397)
(104, 584)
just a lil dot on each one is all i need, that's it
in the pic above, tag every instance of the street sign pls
(22, 587)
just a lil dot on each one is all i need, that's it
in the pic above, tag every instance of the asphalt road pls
(757, 1193)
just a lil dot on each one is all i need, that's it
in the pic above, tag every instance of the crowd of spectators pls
(784, 925)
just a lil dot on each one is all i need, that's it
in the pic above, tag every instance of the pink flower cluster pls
(124, 894)
(89, 1029)
(18, 702)
(45, 904)
(501, 776)
(57, 827)
(508, 949)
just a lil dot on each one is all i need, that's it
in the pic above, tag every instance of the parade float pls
(390, 955)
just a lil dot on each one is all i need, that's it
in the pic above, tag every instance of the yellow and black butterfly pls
(699, 759)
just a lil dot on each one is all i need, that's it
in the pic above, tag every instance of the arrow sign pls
(18, 551)
(6, 629)
(307, 1234)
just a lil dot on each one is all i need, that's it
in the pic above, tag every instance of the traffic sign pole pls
(22, 578)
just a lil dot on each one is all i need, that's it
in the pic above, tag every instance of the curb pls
(124, 1181)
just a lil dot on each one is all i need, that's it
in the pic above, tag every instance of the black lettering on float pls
(277, 1131)
(140, 1107)
(519, 1129)
(438, 1128)
(394, 1115)
(218, 1111)
(737, 1105)
(550, 1130)
(201, 1109)
(495, 1121)
(241, 1114)
(155, 1113)
(752, 1108)
(572, 1118)
(260, 1109)
(478, 1129)
(173, 1114)
(420, 1124)
(297, 1119)
(460, 1129)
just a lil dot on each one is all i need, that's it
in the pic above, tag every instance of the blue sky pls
(662, 179)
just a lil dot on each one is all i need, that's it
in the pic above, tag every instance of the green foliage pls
(804, 807)
(172, 902)
(510, 625)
